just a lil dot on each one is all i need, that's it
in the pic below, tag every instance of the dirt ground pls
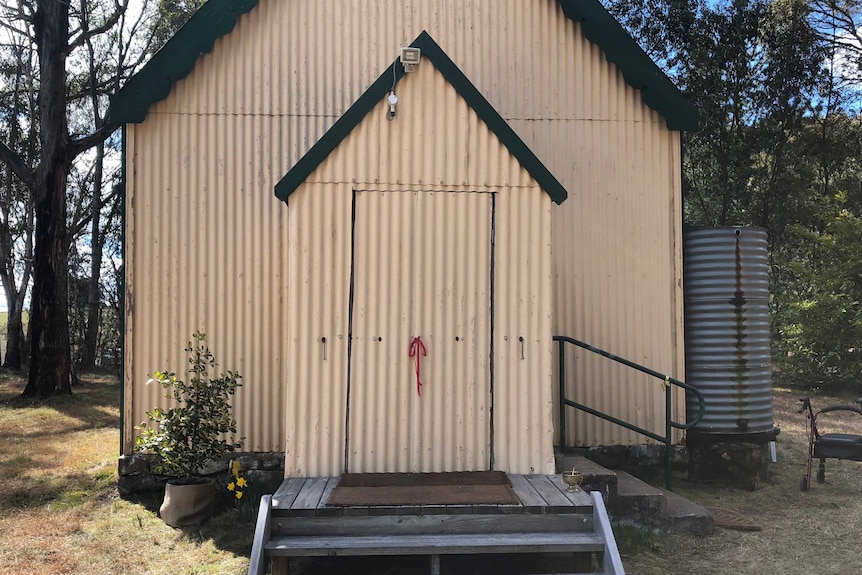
(815, 532)
(60, 512)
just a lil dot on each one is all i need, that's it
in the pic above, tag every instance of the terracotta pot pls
(187, 504)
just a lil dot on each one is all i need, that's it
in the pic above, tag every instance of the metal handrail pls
(667, 381)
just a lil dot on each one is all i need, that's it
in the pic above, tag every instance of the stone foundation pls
(136, 473)
(740, 464)
(644, 461)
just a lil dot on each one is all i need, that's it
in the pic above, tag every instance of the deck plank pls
(580, 499)
(322, 509)
(306, 502)
(530, 498)
(286, 493)
(295, 546)
(557, 502)
(435, 524)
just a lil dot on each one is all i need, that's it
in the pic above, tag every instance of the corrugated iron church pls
(383, 242)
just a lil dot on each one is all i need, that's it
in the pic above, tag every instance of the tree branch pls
(81, 144)
(88, 33)
(18, 167)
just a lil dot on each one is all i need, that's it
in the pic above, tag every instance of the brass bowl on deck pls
(573, 479)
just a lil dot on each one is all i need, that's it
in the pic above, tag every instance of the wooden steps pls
(295, 522)
(439, 544)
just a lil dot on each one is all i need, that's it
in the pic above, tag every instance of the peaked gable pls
(380, 89)
(216, 18)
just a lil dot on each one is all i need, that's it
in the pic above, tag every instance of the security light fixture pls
(410, 58)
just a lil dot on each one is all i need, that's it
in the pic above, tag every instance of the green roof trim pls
(380, 89)
(176, 59)
(638, 69)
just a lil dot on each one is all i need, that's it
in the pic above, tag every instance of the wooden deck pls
(537, 494)
(296, 521)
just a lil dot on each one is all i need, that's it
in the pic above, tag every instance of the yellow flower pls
(241, 482)
(235, 468)
(239, 494)
(231, 486)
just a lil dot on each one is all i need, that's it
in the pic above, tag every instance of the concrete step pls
(684, 516)
(633, 502)
(643, 505)
(638, 497)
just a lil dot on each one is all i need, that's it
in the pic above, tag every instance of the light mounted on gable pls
(410, 58)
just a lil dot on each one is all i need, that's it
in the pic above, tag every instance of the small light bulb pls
(393, 100)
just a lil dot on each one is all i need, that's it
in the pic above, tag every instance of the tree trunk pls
(15, 337)
(50, 356)
(50, 353)
(97, 242)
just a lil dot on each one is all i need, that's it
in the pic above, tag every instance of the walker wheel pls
(804, 483)
(821, 476)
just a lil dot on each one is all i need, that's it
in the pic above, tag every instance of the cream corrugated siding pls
(618, 278)
(291, 68)
(523, 309)
(317, 308)
(200, 256)
(524, 56)
(434, 273)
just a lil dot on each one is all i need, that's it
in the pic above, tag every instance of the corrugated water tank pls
(727, 333)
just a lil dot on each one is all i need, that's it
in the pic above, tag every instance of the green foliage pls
(817, 317)
(779, 146)
(172, 14)
(190, 435)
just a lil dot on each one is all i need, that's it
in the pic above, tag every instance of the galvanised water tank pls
(727, 352)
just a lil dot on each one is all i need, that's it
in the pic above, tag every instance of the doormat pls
(391, 489)
(731, 519)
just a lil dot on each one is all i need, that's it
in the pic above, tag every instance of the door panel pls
(422, 267)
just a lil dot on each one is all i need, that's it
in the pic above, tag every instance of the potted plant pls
(187, 437)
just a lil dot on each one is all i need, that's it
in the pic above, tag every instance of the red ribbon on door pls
(417, 349)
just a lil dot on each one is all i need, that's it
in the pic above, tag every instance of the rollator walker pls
(825, 446)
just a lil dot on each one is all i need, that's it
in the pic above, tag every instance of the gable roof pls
(175, 60)
(379, 90)
(216, 18)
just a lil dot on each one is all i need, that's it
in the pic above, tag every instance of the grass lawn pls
(59, 508)
(60, 512)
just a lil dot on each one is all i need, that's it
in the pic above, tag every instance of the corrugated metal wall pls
(200, 256)
(270, 89)
(618, 277)
(317, 307)
(437, 266)
(523, 414)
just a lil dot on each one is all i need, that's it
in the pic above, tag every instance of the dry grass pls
(803, 533)
(59, 509)
(60, 513)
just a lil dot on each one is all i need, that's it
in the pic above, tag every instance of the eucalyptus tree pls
(84, 49)
(779, 146)
(17, 109)
(839, 23)
(752, 68)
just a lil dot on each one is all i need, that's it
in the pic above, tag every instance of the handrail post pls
(667, 434)
(562, 359)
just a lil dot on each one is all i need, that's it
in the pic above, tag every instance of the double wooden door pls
(422, 267)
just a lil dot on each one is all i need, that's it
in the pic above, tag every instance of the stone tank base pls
(740, 460)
